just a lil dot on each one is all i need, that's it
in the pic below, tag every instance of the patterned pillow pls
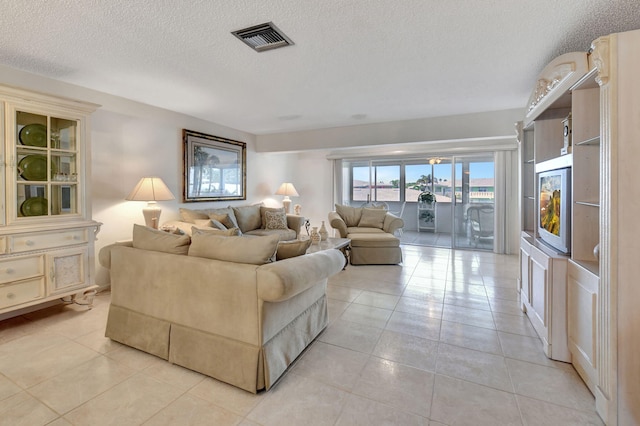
(275, 220)
(264, 210)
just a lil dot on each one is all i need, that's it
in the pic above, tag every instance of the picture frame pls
(215, 168)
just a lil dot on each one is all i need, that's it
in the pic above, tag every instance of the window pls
(375, 182)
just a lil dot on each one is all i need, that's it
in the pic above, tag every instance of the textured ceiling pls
(353, 62)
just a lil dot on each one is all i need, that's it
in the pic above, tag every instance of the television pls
(554, 217)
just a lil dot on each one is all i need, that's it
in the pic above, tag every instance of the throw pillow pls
(223, 219)
(350, 215)
(287, 249)
(248, 217)
(372, 218)
(188, 215)
(254, 250)
(231, 232)
(146, 238)
(264, 210)
(225, 210)
(275, 220)
(203, 223)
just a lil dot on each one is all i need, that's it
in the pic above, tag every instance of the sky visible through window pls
(477, 170)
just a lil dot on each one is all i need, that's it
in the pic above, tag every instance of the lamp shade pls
(287, 189)
(150, 189)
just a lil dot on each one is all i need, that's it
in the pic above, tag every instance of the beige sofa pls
(240, 323)
(371, 232)
(250, 220)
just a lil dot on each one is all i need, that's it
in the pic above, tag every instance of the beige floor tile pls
(22, 409)
(98, 342)
(432, 283)
(299, 401)
(468, 336)
(191, 411)
(14, 328)
(539, 413)
(377, 300)
(427, 294)
(511, 307)
(474, 366)
(385, 287)
(561, 386)
(78, 385)
(502, 293)
(332, 365)
(477, 290)
(229, 397)
(367, 315)
(131, 402)
(470, 316)
(524, 348)
(360, 411)
(34, 368)
(410, 305)
(133, 358)
(335, 308)
(471, 301)
(7, 388)
(515, 324)
(175, 375)
(415, 325)
(458, 402)
(343, 293)
(408, 350)
(351, 335)
(405, 388)
(59, 422)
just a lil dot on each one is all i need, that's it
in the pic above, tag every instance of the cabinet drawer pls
(23, 292)
(21, 268)
(22, 243)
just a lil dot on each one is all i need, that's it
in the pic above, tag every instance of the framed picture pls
(214, 168)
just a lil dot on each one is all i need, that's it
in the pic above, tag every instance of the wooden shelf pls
(592, 266)
(593, 141)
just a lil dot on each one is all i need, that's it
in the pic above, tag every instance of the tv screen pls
(555, 201)
(550, 203)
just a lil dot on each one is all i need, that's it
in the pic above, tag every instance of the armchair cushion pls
(152, 239)
(372, 218)
(350, 215)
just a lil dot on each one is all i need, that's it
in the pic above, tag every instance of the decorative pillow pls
(223, 219)
(231, 232)
(153, 239)
(287, 249)
(350, 215)
(248, 217)
(264, 210)
(275, 220)
(203, 223)
(372, 218)
(188, 215)
(254, 250)
(225, 210)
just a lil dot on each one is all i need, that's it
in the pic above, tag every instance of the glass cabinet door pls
(46, 165)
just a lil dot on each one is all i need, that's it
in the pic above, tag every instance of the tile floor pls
(436, 341)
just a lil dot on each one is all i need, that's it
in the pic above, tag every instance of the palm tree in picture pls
(201, 161)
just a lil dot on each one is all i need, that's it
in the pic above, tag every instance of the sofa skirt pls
(375, 255)
(246, 366)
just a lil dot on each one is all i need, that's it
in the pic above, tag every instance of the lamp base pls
(286, 203)
(151, 215)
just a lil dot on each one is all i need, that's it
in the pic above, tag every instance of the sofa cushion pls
(231, 232)
(275, 220)
(248, 217)
(188, 215)
(146, 238)
(372, 218)
(283, 234)
(264, 210)
(288, 249)
(256, 251)
(224, 219)
(350, 215)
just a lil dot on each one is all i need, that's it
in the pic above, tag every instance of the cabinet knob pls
(75, 237)
(29, 243)
(10, 296)
(9, 271)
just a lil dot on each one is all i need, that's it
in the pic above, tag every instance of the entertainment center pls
(579, 148)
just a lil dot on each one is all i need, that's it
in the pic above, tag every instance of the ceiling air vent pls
(263, 37)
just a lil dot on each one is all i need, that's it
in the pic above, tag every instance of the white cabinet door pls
(67, 269)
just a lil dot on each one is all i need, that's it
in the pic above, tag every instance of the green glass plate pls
(35, 206)
(34, 167)
(34, 135)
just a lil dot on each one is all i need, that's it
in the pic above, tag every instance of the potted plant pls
(426, 197)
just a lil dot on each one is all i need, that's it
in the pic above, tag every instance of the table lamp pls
(287, 189)
(151, 189)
